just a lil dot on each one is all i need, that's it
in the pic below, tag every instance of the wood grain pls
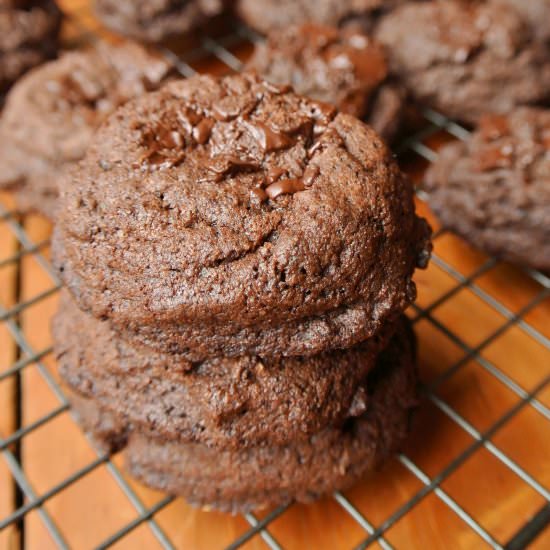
(94, 507)
(8, 354)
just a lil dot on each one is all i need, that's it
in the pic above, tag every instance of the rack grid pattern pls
(220, 48)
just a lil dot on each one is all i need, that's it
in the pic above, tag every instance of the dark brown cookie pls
(225, 216)
(466, 58)
(108, 431)
(28, 37)
(536, 13)
(269, 15)
(343, 67)
(154, 20)
(52, 113)
(494, 189)
(220, 402)
(259, 477)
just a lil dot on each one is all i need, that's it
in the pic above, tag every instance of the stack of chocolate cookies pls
(237, 260)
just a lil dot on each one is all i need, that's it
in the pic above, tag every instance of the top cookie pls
(28, 36)
(268, 15)
(154, 20)
(343, 67)
(466, 59)
(229, 216)
(494, 189)
(52, 113)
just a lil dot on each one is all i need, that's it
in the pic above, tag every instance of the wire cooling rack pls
(482, 325)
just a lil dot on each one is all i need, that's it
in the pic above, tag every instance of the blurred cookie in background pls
(466, 59)
(494, 189)
(343, 67)
(269, 15)
(536, 13)
(52, 113)
(28, 37)
(155, 20)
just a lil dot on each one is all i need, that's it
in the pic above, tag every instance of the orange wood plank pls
(8, 350)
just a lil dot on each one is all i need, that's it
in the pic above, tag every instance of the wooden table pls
(483, 328)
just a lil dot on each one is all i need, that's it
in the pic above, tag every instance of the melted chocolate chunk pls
(274, 173)
(284, 187)
(312, 171)
(259, 193)
(163, 144)
(224, 165)
(269, 139)
(277, 89)
(202, 131)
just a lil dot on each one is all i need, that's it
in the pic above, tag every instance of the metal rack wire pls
(374, 532)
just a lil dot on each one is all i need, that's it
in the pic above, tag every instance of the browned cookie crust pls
(269, 15)
(221, 402)
(466, 58)
(154, 20)
(536, 13)
(264, 476)
(225, 216)
(494, 189)
(28, 37)
(52, 113)
(343, 67)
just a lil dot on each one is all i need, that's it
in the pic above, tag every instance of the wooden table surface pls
(465, 327)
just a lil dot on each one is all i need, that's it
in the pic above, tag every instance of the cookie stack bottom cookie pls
(252, 477)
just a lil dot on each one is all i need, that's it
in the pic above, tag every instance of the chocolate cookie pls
(52, 113)
(221, 402)
(269, 15)
(536, 13)
(227, 216)
(343, 67)
(28, 37)
(494, 189)
(466, 58)
(263, 476)
(154, 20)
